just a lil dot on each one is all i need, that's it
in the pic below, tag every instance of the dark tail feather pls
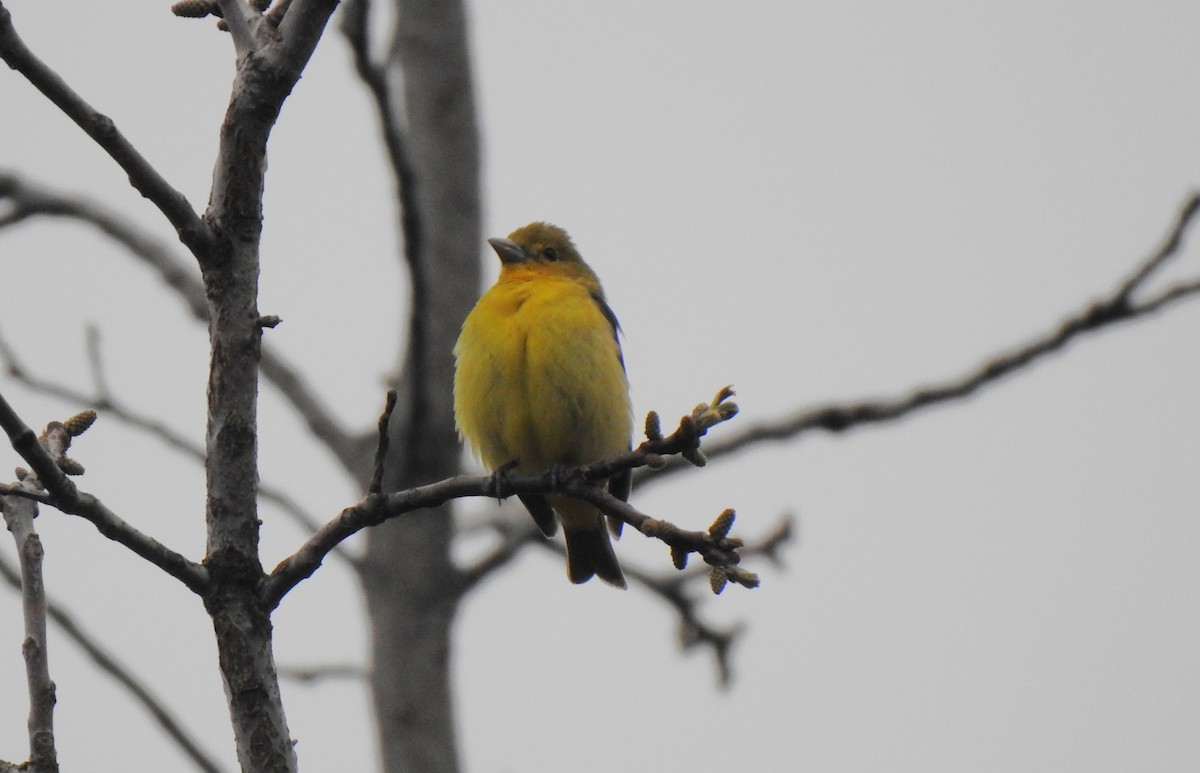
(589, 553)
(619, 486)
(542, 512)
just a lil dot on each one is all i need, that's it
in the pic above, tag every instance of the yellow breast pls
(539, 377)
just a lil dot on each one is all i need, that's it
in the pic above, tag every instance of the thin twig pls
(15, 490)
(382, 449)
(122, 675)
(1168, 249)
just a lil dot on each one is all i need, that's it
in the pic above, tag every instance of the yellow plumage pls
(540, 382)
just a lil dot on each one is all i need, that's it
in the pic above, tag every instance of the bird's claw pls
(500, 481)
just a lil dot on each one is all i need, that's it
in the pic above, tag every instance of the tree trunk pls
(412, 588)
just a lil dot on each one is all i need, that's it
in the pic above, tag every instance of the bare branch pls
(382, 449)
(241, 20)
(1168, 249)
(300, 25)
(123, 676)
(65, 496)
(274, 16)
(1118, 306)
(173, 204)
(716, 547)
(18, 516)
(1167, 296)
(372, 510)
(16, 490)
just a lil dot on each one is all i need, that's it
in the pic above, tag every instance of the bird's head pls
(541, 249)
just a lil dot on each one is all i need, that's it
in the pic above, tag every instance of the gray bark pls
(268, 67)
(411, 586)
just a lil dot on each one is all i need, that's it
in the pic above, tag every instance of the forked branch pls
(46, 454)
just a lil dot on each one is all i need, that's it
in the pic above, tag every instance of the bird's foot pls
(558, 475)
(500, 481)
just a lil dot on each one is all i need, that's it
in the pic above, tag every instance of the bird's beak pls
(508, 250)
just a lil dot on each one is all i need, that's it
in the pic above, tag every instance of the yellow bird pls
(540, 383)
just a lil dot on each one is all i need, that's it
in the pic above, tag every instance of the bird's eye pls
(549, 253)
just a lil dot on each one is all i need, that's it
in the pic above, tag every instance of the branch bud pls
(720, 527)
(712, 414)
(79, 423)
(743, 577)
(717, 579)
(653, 427)
(193, 9)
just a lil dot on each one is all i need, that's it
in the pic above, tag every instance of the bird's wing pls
(608, 313)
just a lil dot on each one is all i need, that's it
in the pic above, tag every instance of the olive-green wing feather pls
(621, 483)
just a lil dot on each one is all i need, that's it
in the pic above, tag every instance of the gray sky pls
(813, 201)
